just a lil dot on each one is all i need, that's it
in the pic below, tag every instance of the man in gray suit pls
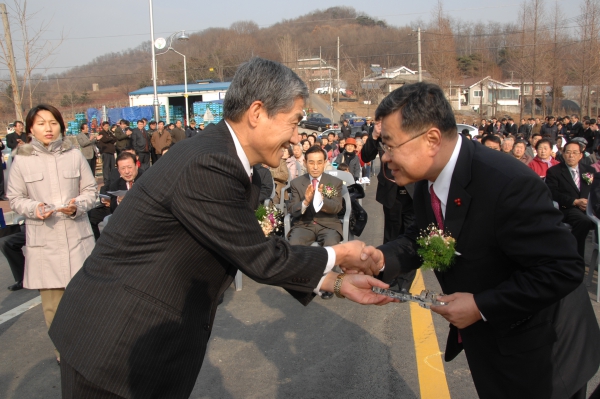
(315, 215)
(87, 145)
(136, 319)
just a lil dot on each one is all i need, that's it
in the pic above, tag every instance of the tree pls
(35, 50)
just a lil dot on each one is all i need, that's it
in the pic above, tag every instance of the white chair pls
(595, 261)
(270, 199)
(347, 179)
(103, 223)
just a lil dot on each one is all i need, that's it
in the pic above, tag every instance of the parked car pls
(473, 131)
(326, 132)
(318, 124)
(357, 121)
(347, 115)
(314, 115)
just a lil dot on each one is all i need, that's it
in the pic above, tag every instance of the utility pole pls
(10, 63)
(419, 53)
(338, 72)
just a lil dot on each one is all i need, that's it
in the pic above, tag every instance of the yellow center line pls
(432, 377)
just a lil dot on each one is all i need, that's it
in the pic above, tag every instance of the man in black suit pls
(16, 138)
(140, 141)
(135, 321)
(129, 173)
(517, 305)
(569, 184)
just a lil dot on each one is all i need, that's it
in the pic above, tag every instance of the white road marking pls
(4, 317)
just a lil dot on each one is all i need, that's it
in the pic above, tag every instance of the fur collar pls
(35, 146)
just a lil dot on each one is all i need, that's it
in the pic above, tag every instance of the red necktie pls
(436, 204)
(315, 182)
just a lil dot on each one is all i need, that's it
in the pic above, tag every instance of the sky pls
(91, 29)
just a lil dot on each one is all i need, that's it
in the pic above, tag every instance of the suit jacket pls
(86, 145)
(386, 190)
(11, 139)
(328, 215)
(177, 135)
(140, 140)
(137, 318)
(118, 185)
(541, 338)
(562, 186)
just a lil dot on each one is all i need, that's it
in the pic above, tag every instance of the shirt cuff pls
(328, 267)
(317, 201)
(482, 316)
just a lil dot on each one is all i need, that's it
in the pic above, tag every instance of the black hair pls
(44, 107)
(315, 148)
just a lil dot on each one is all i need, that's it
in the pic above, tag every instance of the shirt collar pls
(441, 186)
(240, 151)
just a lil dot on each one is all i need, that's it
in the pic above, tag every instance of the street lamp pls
(160, 44)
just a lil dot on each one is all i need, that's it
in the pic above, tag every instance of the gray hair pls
(276, 85)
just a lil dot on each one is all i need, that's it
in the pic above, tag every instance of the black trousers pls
(97, 215)
(92, 163)
(75, 386)
(108, 164)
(396, 219)
(581, 226)
(11, 246)
(144, 158)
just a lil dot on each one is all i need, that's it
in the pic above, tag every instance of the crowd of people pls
(135, 322)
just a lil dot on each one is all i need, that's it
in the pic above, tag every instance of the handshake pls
(360, 263)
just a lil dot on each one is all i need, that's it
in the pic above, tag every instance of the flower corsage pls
(436, 249)
(588, 178)
(270, 220)
(329, 191)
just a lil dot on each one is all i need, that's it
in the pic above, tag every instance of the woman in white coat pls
(51, 184)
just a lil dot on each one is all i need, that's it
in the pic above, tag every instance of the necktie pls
(436, 204)
(315, 182)
(576, 178)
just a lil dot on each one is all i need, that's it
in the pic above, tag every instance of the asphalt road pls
(267, 345)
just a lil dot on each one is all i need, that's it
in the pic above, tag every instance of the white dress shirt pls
(246, 163)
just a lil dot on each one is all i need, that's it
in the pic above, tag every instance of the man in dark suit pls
(129, 173)
(314, 215)
(517, 305)
(140, 141)
(569, 184)
(16, 138)
(135, 321)
(511, 127)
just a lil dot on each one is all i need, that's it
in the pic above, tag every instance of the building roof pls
(180, 89)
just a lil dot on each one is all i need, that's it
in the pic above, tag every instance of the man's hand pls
(105, 202)
(20, 142)
(460, 309)
(128, 132)
(350, 258)
(581, 203)
(309, 194)
(372, 253)
(357, 288)
(376, 130)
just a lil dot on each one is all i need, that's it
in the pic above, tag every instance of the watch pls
(338, 284)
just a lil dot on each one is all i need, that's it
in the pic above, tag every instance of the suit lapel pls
(566, 173)
(585, 188)
(459, 200)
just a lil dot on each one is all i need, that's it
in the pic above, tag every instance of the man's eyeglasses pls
(390, 148)
(572, 152)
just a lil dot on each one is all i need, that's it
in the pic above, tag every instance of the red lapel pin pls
(457, 202)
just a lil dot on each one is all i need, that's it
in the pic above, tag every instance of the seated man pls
(129, 172)
(570, 184)
(97, 215)
(314, 213)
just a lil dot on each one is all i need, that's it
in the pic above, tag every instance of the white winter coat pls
(57, 246)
